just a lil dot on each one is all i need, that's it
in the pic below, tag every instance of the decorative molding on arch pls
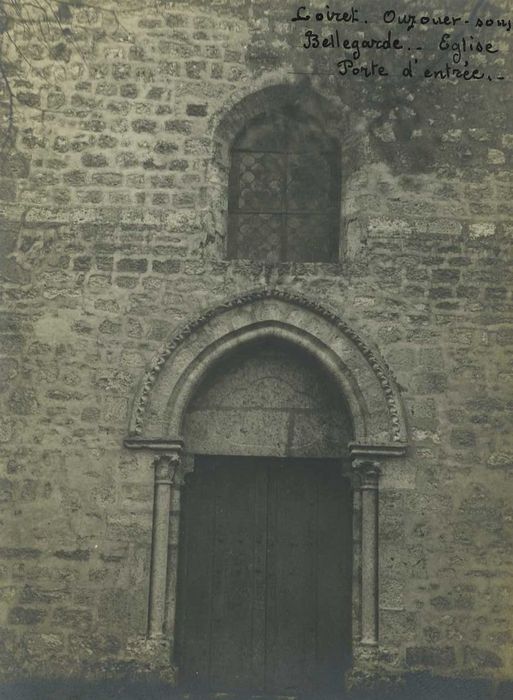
(196, 333)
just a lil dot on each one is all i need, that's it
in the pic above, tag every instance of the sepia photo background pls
(215, 240)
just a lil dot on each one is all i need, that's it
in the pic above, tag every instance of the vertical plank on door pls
(259, 575)
(292, 575)
(334, 561)
(233, 585)
(195, 580)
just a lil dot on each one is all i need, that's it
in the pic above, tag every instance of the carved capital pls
(168, 468)
(377, 451)
(368, 472)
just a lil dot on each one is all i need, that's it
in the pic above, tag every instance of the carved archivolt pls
(363, 374)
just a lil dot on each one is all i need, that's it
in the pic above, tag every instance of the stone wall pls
(112, 206)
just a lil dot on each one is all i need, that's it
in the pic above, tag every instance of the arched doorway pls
(168, 421)
(265, 563)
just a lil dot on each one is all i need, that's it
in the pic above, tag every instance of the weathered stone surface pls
(430, 656)
(26, 616)
(113, 234)
(75, 554)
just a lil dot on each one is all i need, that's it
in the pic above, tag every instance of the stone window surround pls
(380, 433)
(339, 123)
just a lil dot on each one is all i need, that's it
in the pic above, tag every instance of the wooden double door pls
(264, 602)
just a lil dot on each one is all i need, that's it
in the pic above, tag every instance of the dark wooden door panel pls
(292, 507)
(334, 563)
(196, 567)
(259, 563)
(265, 576)
(233, 594)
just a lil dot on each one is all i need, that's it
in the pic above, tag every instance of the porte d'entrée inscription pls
(265, 576)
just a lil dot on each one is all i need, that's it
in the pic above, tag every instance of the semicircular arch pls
(363, 377)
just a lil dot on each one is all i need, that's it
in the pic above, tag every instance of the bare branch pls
(66, 33)
(38, 23)
(22, 55)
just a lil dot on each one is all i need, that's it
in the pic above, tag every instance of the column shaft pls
(174, 533)
(165, 468)
(369, 476)
(369, 566)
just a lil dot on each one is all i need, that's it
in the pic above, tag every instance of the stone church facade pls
(228, 281)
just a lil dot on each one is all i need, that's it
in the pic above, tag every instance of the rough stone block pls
(430, 657)
(197, 110)
(26, 616)
(91, 160)
(132, 265)
(144, 125)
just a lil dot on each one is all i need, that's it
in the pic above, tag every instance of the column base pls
(153, 656)
(368, 676)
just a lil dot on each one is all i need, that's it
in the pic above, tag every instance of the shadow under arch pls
(299, 95)
(191, 379)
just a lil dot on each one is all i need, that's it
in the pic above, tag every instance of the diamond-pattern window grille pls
(284, 192)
